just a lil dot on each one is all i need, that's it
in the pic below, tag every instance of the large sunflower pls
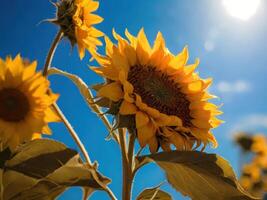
(25, 102)
(162, 97)
(77, 22)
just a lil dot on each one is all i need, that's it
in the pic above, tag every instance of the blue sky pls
(231, 51)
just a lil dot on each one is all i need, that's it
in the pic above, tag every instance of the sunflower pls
(156, 94)
(77, 22)
(25, 102)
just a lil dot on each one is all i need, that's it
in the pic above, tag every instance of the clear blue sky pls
(231, 51)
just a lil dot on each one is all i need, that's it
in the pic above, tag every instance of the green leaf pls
(43, 169)
(199, 175)
(153, 194)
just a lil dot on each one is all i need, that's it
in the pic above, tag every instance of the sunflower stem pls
(51, 52)
(76, 138)
(72, 132)
(103, 117)
(127, 162)
(74, 135)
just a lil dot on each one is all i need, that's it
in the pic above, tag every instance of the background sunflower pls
(25, 102)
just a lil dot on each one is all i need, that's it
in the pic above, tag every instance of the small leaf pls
(154, 194)
(43, 169)
(103, 102)
(199, 175)
(87, 95)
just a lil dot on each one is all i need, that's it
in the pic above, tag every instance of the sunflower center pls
(14, 105)
(159, 91)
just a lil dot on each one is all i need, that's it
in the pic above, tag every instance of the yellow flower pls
(156, 93)
(25, 102)
(259, 144)
(77, 22)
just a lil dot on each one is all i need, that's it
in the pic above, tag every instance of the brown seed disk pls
(159, 91)
(14, 105)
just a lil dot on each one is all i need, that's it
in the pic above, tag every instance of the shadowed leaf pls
(4, 156)
(199, 175)
(153, 194)
(43, 169)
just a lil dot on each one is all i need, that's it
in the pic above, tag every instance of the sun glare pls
(241, 9)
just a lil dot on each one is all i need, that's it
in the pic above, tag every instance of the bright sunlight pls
(241, 9)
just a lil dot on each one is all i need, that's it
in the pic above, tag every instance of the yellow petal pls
(178, 141)
(119, 61)
(109, 72)
(131, 38)
(153, 145)
(188, 70)
(36, 136)
(180, 60)
(141, 119)
(145, 133)
(215, 122)
(91, 19)
(127, 108)
(51, 115)
(113, 91)
(109, 46)
(193, 87)
(130, 54)
(143, 48)
(29, 70)
(201, 123)
(46, 130)
(158, 51)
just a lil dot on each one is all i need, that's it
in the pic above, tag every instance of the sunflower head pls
(155, 93)
(25, 102)
(77, 22)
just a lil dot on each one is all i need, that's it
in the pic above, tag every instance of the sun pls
(241, 9)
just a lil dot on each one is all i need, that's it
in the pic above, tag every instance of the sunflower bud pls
(65, 12)
(77, 22)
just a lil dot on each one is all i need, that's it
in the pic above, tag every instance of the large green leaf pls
(199, 175)
(153, 194)
(43, 169)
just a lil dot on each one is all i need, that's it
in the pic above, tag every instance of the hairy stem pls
(103, 117)
(76, 138)
(127, 162)
(51, 52)
(74, 135)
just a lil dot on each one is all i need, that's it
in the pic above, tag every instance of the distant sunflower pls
(156, 93)
(25, 102)
(77, 22)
